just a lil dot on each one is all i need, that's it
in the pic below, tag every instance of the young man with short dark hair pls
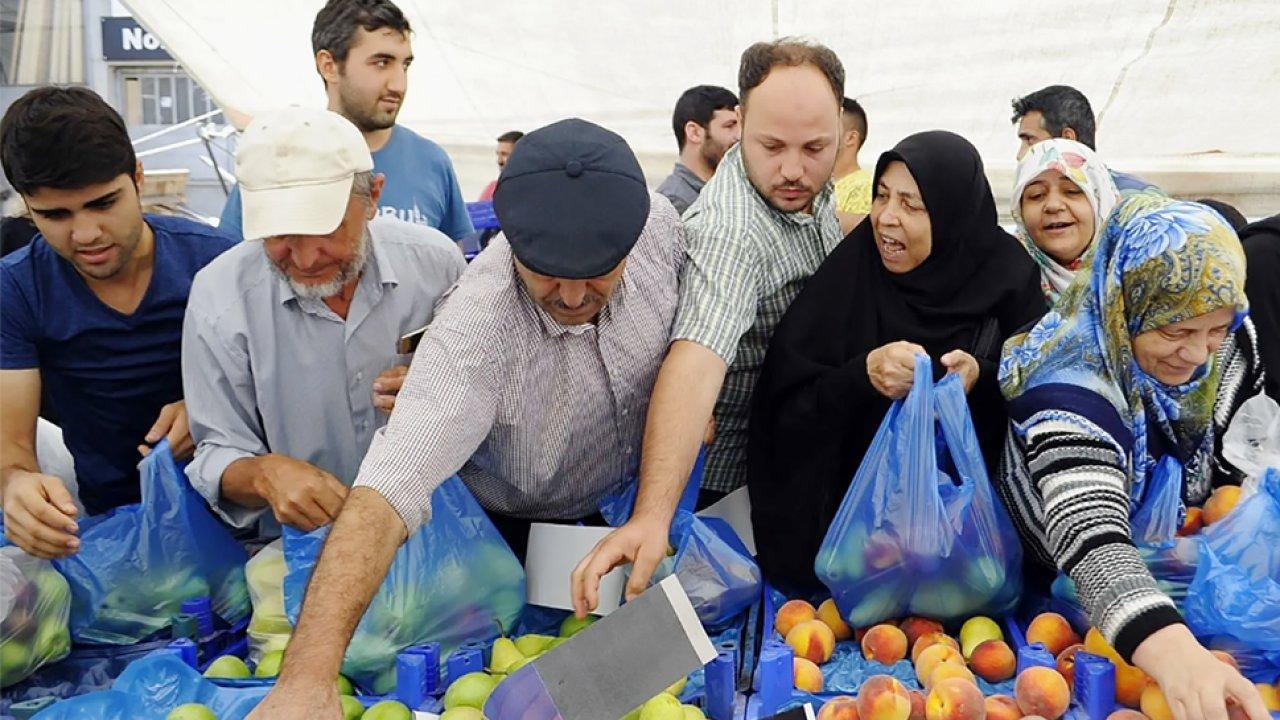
(1063, 111)
(506, 145)
(93, 311)
(705, 123)
(362, 52)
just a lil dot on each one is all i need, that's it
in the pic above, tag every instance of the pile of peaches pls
(948, 669)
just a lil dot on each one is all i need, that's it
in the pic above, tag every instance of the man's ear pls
(694, 133)
(327, 66)
(1070, 133)
(138, 176)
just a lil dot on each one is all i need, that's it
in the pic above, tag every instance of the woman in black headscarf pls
(929, 271)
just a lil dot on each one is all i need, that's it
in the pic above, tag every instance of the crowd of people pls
(326, 356)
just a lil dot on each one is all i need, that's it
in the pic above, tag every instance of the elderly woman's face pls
(1058, 216)
(1173, 353)
(900, 221)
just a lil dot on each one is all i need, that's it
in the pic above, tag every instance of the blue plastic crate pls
(482, 215)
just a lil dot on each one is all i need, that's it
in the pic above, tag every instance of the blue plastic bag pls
(151, 688)
(453, 581)
(1233, 602)
(910, 539)
(1160, 512)
(138, 563)
(713, 565)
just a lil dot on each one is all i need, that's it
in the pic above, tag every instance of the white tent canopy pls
(1179, 85)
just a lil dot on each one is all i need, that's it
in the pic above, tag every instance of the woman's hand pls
(892, 368)
(964, 364)
(1196, 685)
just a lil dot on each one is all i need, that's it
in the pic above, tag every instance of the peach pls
(830, 614)
(812, 640)
(1270, 696)
(1225, 657)
(947, 671)
(993, 661)
(1067, 664)
(1042, 691)
(955, 699)
(885, 644)
(841, 707)
(791, 614)
(933, 638)
(1126, 714)
(1053, 631)
(934, 656)
(1220, 503)
(882, 697)
(1002, 707)
(1192, 523)
(805, 675)
(917, 705)
(914, 627)
(1154, 705)
(1130, 680)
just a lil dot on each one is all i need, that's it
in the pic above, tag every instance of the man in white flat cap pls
(288, 336)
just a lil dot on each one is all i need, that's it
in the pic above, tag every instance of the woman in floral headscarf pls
(1123, 375)
(1061, 201)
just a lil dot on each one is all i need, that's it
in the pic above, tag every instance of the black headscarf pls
(815, 410)
(1261, 242)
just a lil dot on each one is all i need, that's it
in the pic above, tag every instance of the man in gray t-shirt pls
(289, 335)
(705, 122)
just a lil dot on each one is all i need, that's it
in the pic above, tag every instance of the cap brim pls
(299, 210)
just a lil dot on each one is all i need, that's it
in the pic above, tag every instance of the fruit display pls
(35, 603)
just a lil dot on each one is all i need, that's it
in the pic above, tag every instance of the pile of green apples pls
(233, 668)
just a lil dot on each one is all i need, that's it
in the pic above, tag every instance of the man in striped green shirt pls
(760, 228)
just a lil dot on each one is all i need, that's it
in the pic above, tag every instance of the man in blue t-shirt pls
(362, 52)
(93, 311)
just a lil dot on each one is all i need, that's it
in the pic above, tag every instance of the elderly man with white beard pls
(289, 336)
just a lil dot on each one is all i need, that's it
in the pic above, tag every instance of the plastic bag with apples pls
(34, 605)
(920, 531)
(453, 581)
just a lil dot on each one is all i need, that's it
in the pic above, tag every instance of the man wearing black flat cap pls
(532, 382)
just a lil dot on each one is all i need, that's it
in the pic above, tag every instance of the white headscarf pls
(1083, 167)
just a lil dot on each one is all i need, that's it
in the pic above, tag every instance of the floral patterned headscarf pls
(1160, 261)
(1081, 166)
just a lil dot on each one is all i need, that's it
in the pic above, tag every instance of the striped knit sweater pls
(1066, 484)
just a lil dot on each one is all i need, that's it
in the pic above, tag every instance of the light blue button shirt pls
(267, 372)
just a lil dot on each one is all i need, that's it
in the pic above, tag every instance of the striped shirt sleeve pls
(1082, 482)
(719, 287)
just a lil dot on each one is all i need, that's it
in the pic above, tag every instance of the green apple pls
(191, 711)
(227, 666)
(15, 659)
(662, 707)
(270, 664)
(52, 640)
(352, 709)
(692, 712)
(388, 710)
(470, 690)
(573, 625)
(345, 687)
(556, 643)
(530, 645)
(462, 713)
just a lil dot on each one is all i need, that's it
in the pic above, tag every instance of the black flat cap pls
(572, 200)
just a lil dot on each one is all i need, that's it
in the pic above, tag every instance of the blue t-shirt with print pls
(108, 374)
(421, 187)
